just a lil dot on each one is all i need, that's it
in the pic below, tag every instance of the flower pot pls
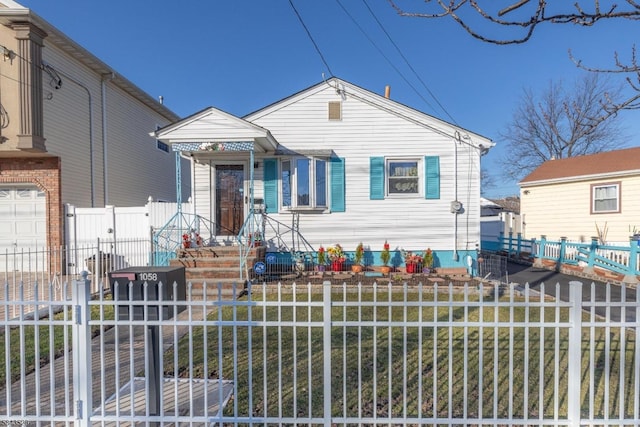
(356, 268)
(337, 265)
(385, 269)
(413, 268)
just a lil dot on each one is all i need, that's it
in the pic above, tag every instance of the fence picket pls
(389, 354)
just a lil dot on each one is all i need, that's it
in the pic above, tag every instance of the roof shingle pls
(593, 164)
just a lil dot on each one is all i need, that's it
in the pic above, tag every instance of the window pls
(312, 183)
(161, 145)
(403, 177)
(304, 182)
(395, 177)
(605, 198)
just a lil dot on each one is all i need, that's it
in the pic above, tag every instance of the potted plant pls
(357, 259)
(336, 257)
(385, 256)
(427, 263)
(322, 258)
(413, 262)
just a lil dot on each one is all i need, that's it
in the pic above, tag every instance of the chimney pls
(387, 91)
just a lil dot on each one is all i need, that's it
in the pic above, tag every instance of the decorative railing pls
(260, 229)
(182, 228)
(622, 259)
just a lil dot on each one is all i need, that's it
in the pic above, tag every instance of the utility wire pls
(407, 61)
(385, 56)
(311, 38)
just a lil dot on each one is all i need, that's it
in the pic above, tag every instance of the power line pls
(383, 55)
(311, 38)
(407, 61)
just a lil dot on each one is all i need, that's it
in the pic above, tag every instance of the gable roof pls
(215, 125)
(618, 162)
(347, 89)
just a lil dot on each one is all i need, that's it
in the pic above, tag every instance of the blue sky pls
(241, 55)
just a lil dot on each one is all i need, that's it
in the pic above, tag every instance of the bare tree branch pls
(556, 124)
(518, 20)
(534, 13)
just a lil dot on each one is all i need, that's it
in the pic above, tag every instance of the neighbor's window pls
(605, 198)
(304, 182)
(403, 176)
(161, 145)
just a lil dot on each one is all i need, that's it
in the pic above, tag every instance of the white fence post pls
(326, 338)
(82, 381)
(575, 354)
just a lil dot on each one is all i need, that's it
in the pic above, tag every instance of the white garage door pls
(23, 217)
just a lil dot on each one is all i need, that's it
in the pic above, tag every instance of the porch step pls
(207, 267)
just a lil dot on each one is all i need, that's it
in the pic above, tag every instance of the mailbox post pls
(131, 287)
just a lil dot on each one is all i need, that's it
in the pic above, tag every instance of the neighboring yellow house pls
(596, 195)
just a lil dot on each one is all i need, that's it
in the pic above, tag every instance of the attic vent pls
(335, 110)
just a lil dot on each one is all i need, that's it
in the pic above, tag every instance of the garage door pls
(23, 217)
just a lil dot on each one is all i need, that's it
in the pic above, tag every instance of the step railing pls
(182, 230)
(260, 229)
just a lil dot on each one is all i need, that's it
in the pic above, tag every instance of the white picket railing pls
(324, 354)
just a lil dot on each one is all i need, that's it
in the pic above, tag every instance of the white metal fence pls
(326, 355)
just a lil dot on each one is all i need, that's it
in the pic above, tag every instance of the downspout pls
(455, 194)
(105, 177)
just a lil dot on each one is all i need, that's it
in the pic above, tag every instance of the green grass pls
(282, 359)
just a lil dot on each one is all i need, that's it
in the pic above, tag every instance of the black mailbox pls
(131, 288)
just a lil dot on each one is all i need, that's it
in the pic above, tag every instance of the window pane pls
(403, 177)
(286, 183)
(605, 198)
(321, 183)
(302, 180)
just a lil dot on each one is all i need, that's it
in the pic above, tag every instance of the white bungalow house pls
(339, 165)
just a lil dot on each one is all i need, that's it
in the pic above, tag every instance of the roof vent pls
(335, 110)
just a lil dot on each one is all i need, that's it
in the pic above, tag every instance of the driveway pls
(521, 274)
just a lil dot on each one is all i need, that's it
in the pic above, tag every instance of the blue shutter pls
(337, 185)
(271, 185)
(376, 178)
(432, 177)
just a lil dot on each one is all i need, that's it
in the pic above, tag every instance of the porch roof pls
(215, 126)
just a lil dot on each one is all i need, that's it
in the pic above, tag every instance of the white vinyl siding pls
(366, 131)
(135, 168)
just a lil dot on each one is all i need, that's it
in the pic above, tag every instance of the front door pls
(229, 199)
